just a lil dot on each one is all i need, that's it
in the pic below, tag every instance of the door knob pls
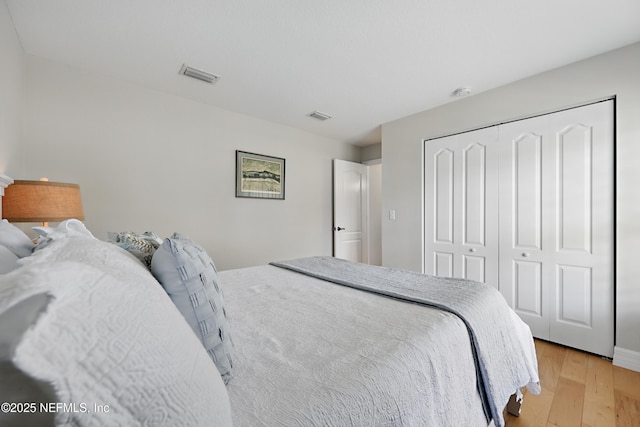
(340, 228)
(472, 249)
(525, 254)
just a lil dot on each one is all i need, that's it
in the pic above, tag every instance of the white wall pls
(614, 73)
(11, 72)
(146, 160)
(371, 152)
(374, 238)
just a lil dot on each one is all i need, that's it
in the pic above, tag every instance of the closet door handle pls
(525, 255)
(472, 250)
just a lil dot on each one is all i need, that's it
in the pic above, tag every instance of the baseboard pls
(628, 359)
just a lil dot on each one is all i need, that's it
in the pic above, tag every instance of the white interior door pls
(350, 205)
(556, 241)
(461, 206)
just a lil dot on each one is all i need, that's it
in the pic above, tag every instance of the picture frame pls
(259, 176)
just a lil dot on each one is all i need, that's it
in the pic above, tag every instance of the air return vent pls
(199, 74)
(318, 115)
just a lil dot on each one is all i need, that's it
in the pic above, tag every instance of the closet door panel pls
(574, 188)
(582, 282)
(474, 209)
(528, 279)
(443, 264)
(474, 194)
(443, 187)
(526, 208)
(440, 206)
(474, 268)
(461, 217)
(574, 295)
(522, 207)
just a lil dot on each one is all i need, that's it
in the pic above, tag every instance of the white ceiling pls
(364, 62)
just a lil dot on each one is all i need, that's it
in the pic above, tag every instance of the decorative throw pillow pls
(15, 239)
(142, 246)
(189, 276)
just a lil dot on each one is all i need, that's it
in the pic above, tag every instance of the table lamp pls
(41, 201)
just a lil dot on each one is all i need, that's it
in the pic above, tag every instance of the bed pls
(97, 333)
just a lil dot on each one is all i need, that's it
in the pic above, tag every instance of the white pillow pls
(112, 337)
(64, 230)
(8, 260)
(15, 239)
(16, 387)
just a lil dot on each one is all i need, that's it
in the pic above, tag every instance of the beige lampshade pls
(41, 201)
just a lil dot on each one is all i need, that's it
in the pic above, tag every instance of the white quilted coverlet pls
(111, 336)
(312, 353)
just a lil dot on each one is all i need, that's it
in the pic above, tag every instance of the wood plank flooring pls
(579, 390)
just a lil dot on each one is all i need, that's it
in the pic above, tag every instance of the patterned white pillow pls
(189, 276)
(110, 336)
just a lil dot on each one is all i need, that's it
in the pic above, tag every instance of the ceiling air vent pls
(199, 74)
(461, 91)
(318, 115)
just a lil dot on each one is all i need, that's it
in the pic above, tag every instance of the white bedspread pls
(504, 361)
(312, 353)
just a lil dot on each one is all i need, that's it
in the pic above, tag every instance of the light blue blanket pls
(503, 350)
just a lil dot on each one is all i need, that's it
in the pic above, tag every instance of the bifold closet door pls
(461, 218)
(556, 225)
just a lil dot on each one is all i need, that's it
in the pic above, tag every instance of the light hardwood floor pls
(579, 389)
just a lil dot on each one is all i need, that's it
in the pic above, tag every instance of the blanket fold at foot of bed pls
(502, 344)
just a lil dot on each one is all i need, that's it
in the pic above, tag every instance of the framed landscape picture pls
(259, 176)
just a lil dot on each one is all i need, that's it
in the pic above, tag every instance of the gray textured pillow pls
(15, 239)
(188, 275)
(142, 246)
